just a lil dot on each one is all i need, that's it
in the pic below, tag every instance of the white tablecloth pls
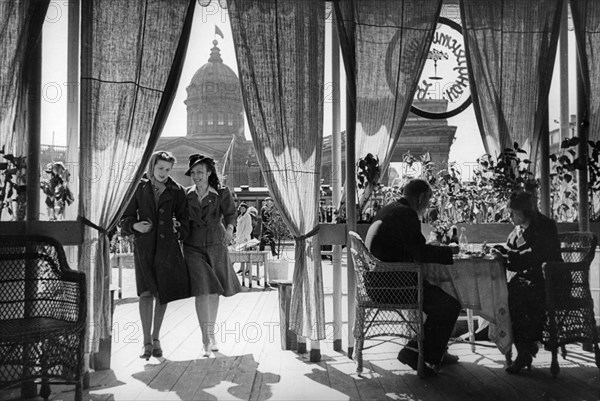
(478, 284)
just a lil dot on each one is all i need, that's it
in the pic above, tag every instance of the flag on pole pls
(218, 32)
(227, 156)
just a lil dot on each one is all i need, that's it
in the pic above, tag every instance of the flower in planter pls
(13, 185)
(367, 181)
(56, 188)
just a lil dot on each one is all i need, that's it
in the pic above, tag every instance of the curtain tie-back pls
(311, 233)
(91, 224)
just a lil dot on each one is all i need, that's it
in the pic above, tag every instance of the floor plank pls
(251, 365)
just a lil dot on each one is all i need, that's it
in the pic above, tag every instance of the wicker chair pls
(42, 315)
(569, 302)
(389, 301)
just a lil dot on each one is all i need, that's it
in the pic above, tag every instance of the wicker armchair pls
(568, 298)
(42, 315)
(389, 301)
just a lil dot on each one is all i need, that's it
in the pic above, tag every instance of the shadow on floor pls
(209, 378)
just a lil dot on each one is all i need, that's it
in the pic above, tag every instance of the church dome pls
(215, 81)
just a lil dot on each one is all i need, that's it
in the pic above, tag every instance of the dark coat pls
(399, 238)
(541, 245)
(206, 254)
(159, 263)
(209, 219)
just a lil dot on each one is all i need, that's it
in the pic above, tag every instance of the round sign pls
(445, 76)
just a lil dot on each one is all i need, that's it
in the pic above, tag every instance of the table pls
(479, 284)
(247, 258)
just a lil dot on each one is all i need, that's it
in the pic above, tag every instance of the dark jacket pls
(399, 238)
(541, 245)
(208, 220)
(159, 263)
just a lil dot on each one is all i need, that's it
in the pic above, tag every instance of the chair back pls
(399, 284)
(578, 247)
(35, 282)
(567, 282)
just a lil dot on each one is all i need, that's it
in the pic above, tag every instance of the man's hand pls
(455, 249)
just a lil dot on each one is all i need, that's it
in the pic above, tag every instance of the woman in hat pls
(244, 224)
(212, 217)
(157, 218)
(533, 241)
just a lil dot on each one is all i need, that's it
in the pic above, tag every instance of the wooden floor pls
(251, 365)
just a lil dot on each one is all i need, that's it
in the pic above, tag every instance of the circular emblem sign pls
(444, 75)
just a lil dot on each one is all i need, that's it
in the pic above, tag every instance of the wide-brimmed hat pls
(243, 204)
(194, 160)
(268, 198)
(252, 211)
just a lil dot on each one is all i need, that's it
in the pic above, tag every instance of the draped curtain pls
(384, 45)
(280, 54)
(20, 29)
(511, 47)
(586, 19)
(132, 55)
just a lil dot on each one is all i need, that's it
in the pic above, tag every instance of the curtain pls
(511, 46)
(384, 45)
(280, 55)
(132, 55)
(20, 29)
(586, 19)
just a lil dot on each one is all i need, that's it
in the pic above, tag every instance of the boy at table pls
(395, 236)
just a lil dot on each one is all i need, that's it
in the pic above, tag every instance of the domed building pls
(215, 110)
(215, 119)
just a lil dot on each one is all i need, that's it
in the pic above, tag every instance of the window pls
(209, 120)
(230, 119)
(221, 119)
(201, 119)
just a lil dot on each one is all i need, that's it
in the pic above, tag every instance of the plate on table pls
(476, 255)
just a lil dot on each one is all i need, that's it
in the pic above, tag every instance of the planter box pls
(278, 269)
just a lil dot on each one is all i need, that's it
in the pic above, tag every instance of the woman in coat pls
(157, 217)
(244, 224)
(212, 217)
(533, 242)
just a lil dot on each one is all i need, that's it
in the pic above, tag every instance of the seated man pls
(395, 236)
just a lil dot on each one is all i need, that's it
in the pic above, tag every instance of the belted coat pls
(206, 254)
(159, 264)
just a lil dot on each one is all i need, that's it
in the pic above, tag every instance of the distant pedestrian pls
(266, 237)
(243, 224)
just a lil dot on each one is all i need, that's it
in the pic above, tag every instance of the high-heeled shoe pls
(214, 346)
(148, 349)
(157, 351)
(207, 352)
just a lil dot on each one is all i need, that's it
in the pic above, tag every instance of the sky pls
(466, 148)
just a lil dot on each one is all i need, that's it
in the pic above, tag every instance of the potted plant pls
(13, 185)
(367, 182)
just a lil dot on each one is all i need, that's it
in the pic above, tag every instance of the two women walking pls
(162, 215)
